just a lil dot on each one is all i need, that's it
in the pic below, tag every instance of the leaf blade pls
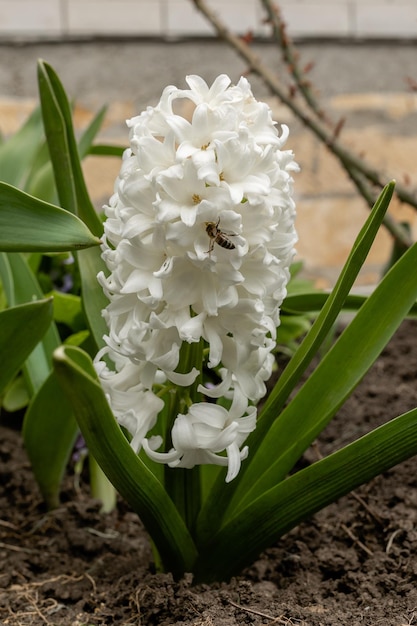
(49, 433)
(336, 376)
(28, 224)
(227, 496)
(21, 328)
(63, 149)
(126, 471)
(18, 152)
(298, 497)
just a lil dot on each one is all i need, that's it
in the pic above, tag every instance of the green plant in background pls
(182, 394)
(36, 240)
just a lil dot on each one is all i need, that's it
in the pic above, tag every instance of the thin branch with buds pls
(364, 176)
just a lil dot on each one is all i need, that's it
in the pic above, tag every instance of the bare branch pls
(356, 167)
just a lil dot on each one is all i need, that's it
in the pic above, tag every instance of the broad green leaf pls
(21, 328)
(222, 495)
(18, 152)
(28, 224)
(123, 467)
(16, 396)
(25, 288)
(40, 180)
(334, 379)
(69, 178)
(68, 310)
(272, 514)
(49, 434)
(36, 367)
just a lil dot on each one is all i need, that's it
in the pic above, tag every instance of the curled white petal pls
(207, 434)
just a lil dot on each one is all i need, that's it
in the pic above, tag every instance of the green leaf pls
(90, 133)
(93, 300)
(6, 278)
(314, 301)
(68, 310)
(73, 192)
(100, 487)
(49, 434)
(21, 287)
(123, 467)
(311, 302)
(342, 368)
(222, 497)
(63, 149)
(79, 339)
(21, 328)
(29, 224)
(292, 327)
(327, 316)
(18, 152)
(16, 397)
(276, 511)
(107, 150)
(42, 440)
(41, 182)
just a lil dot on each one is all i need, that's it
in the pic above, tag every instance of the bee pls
(218, 236)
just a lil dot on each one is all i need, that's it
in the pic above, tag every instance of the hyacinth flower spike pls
(199, 237)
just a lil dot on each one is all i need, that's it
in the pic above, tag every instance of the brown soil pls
(353, 563)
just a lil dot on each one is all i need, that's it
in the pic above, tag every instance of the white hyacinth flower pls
(199, 238)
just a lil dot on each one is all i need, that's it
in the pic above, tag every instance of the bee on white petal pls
(218, 236)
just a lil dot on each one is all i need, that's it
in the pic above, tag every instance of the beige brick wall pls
(178, 18)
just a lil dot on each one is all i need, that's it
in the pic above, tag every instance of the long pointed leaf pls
(49, 433)
(63, 148)
(327, 316)
(57, 140)
(66, 162)
(94, 300)
(310, 302)
(25, 288)
(90, 133)
(21, 328)
(29, 224)
(107, 150)
(126, 471)
(334, 379)
(18, 152)
(313, 301)
(6, 278)
(298, 497)
(221, 496)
